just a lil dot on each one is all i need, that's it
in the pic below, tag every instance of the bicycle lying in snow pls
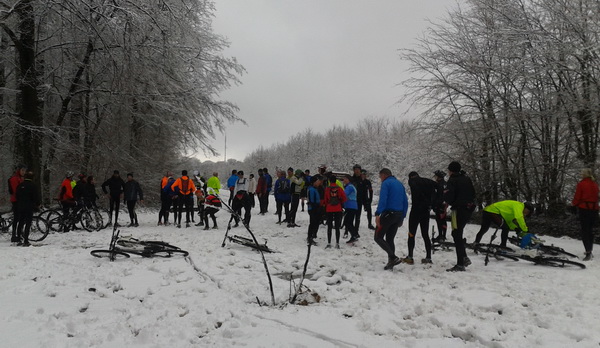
(538, 253)
(121, 247)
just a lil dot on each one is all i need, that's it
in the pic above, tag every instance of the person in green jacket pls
(507, 215)
(213, 185)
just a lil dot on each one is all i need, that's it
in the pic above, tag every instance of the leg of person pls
(130, 210)
(117, 207)
(247, 210)
(486, 222)
(329, 228)
(413, 221)
(237, 208)
(180, 205)
(27, 219)
(214, 218)
(279, 206)
(424, 223)
(369, 215)
(586, 218)
(14, 238)
(294, 209)
(313, 225)
(356, 223)
(286, 206)
(111, 208)
(189, 209)
(338, 225)
(20, 226)
(161, 212)
(349, 218)
(388, 227)
(504, 234)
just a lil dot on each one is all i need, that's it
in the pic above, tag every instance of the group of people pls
(333, 199)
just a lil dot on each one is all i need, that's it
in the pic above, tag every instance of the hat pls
(196, 172)
(115, 172)
(241, 172)
(130, 174)
(413, 173)
(529, 207)
(439, 173)
(357, 166)
(298, 172)
(315, 179)
(184, 172)
(69, 174)
(454, 166)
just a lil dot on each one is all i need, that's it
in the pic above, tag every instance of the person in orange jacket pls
(586, 201)
(333, 202)
(184, 189)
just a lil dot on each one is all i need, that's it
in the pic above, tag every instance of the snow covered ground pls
(57, 295)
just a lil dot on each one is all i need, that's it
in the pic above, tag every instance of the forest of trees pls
(509, 88)
(97, 85)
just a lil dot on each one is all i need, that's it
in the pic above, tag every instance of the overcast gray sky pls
(315, 63)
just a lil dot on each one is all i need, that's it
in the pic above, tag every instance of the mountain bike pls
(122, 247)
(82, 217)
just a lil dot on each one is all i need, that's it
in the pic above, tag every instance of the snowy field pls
(56, 294)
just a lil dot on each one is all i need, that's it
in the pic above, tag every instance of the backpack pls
(334, 199)
(184, 186)
(284, 186)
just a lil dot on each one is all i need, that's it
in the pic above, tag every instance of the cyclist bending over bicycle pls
(507, 215)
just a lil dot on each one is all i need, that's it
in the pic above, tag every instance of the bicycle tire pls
(111, 254)
(86, 221)
(558, 262)
(55, 222)
(39, 229)
(553, 250)
(99, 221)
(169, 253)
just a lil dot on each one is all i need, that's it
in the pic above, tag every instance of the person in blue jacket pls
(390, 213)
(231, 185)
(283, 195)
(351, 209)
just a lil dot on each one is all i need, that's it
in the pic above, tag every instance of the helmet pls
(439, 173)
(196, 173)
(69, 174)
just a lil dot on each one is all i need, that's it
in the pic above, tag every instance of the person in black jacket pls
(115, 189)
(131, 191)
(422, 192)
(28, 200)
(90, 195)
(460, 195)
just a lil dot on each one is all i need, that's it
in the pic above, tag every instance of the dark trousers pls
(131, 211)
(209, 211)
(263, 200)
(440, 220)
(386, 232)
(267, 200)
(24, 224)
(588, 219)
(349, 219)
(252, 200)
(186, 202)
(114, 204)
(165, 206)
(286, 206)
(315, 221)
(419, 216)
(15, 219)
(334, 219)
(460, 218)
(238, 204)
(294, 208)
(486, 221)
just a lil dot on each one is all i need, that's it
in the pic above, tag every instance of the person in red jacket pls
(14, 182)
(586, 201)
(333, 202)
(184, 188)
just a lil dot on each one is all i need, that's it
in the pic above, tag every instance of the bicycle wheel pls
(39, 229)
(55, 221)
(98, 220)
(169, 253)
(555, 251)
(87, 222)
(6, 226)
(557, 262)
(111, 254)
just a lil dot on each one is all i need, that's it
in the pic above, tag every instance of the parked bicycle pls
(83, 217)
(122, 247)
(38, 231)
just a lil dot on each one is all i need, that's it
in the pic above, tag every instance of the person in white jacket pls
(251, 189)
